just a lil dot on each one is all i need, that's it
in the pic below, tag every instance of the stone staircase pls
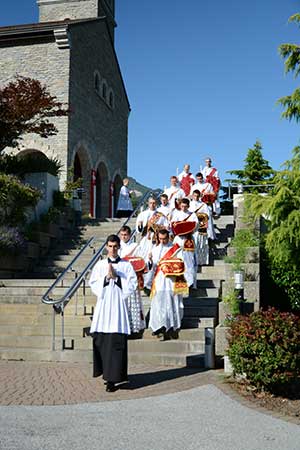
(26, 323)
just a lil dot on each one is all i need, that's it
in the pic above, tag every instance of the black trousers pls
(110, 356)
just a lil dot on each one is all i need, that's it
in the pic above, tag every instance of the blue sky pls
(202, 78)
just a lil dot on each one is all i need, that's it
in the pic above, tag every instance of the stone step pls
(166, 359)
(23, 283)
(43, 330)
(86, 356)
(79, 343)
(208, 283)
(224, 219)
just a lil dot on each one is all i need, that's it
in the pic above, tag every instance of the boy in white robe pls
(113, 281)
(211, 176)
(174, 192)
(188, 251)
(166, 310)
(164, 208)
(202, 186)
(124, 208)
(146, 223)
(201, 236)
(134, 303)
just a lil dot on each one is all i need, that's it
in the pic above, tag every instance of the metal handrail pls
(61, 302)
(242, 186)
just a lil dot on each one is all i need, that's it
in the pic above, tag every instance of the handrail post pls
(53, 330)
(83, 292)
(62, 328)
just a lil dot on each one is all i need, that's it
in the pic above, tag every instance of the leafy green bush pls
(51, 216)
(243, 239)
(232, 300)
(15, 198)
(11, 241)
(59, 200)
(31, 163)
(266, 347)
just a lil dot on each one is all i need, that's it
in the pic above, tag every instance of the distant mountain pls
(138, 187)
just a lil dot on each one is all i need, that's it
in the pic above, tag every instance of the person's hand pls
(150, 257)
(111, 274)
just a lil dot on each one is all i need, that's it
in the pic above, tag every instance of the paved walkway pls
(162, 408)
(25, 383)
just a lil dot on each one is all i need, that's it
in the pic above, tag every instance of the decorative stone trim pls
(62, 38)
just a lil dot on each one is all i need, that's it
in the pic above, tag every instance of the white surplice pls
(124, 202)
(189, 257)
(202, 207)
(111, 311)
(174, 192)
(134, 302)
(205, 172)
(203, 188)
(165, 210)
(166, 307)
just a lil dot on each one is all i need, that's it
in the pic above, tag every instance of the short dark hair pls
(185, 201)
(196, 191)
(164, 232)
(164, 195)
(113, 238)
(199, 174)
(126, 228)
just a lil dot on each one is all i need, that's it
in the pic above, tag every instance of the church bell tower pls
(55, 10)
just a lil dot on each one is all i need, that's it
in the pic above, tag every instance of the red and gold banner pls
(166, 264)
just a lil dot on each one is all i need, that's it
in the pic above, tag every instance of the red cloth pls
(186, 183)
(213, 180)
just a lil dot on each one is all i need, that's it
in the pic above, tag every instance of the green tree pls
(281, 210)
(291, 54)
(256, 171)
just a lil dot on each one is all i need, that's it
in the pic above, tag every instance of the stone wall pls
(52, 10)
(96, 127)
(50, 65)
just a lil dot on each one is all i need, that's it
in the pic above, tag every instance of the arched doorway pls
(118, 183)
(81, 169)
(102, 191)
(77, 168)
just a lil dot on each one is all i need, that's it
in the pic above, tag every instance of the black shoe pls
(147, 291)
(110, 387)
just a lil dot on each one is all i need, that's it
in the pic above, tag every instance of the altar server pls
(112, 280)
(168, 286)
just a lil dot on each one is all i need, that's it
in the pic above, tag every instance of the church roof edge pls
(42, 27)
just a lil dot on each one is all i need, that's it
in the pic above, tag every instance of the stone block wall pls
(52, 10)
(95, 127)
(50, 65)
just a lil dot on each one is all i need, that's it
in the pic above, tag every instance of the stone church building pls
(71, 50)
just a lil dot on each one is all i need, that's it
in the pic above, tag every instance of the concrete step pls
(196, 322)
(23, 283)
(79, 343)
(166, 359)
(156, 359)
(41, 330)
(206, 283)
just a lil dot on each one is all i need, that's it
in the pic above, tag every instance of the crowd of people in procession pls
(173, 240)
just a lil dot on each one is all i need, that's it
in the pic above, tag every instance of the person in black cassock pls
(113, 280)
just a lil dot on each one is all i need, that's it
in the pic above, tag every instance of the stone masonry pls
(72, 52)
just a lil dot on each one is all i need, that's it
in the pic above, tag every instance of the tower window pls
(111, 99)
(97, 81)
(104, 90)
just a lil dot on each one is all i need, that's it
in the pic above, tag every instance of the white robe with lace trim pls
(166, 307)
(111, 312)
